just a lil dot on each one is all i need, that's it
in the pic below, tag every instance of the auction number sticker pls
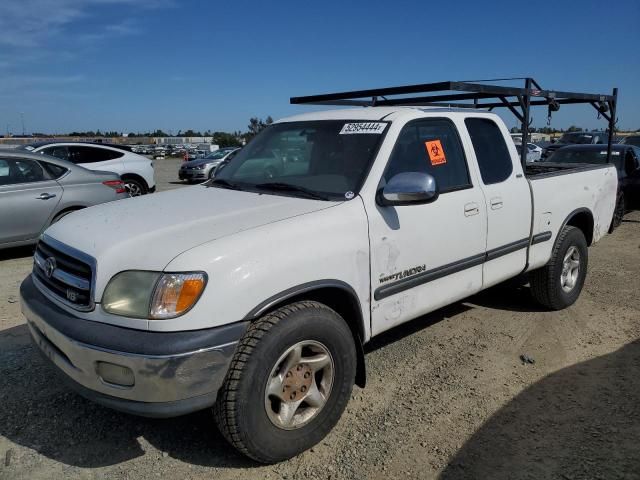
(364, 127)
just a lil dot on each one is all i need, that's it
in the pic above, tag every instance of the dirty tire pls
(546, 286)
(240, 410)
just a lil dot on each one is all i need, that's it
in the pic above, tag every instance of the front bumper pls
(193, 174)
(157, 374)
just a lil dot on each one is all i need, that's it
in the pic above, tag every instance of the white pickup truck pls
(256, 291)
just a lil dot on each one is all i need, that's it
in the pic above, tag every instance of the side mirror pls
(408, 188)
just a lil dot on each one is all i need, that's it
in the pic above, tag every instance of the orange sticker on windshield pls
(436, 152)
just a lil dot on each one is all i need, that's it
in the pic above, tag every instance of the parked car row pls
(192, 151)
(135, 170)
(43, 182)
(37, 191)
(576, 138)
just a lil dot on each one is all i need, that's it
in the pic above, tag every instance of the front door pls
(27, 199)
(426, 256)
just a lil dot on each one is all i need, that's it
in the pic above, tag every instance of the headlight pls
(152, 295)
(199, 167)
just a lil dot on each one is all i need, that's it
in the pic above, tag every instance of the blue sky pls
(145, 64)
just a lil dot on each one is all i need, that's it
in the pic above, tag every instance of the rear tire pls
(558, 284)
(134, 187)
(618, 212)
(267, 379)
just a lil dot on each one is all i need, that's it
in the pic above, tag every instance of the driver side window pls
(431, 146)
(14, 172)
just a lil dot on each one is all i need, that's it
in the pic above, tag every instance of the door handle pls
(496, 203)
(471, 209)
(45, 196)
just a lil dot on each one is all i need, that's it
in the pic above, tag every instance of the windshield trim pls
(330, 196)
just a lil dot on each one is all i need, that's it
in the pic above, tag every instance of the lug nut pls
(299, 367)
(288, 374)
(293, 395)
(307, 375)
(303, 388)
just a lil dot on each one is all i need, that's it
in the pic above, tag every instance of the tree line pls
(223, 139)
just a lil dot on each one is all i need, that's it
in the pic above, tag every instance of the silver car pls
(38, 190)
(204, 168)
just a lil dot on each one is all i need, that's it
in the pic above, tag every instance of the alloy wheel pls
(299, 385)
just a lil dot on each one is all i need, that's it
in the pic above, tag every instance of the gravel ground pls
(447, 395)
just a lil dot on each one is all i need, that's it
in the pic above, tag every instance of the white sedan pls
(534, 152)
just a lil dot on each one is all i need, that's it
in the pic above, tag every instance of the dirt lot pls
(447, 396)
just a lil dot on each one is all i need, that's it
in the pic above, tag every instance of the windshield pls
(632, 140)
(569, 155)
(327, 158)
(216, 154)
(576, 138)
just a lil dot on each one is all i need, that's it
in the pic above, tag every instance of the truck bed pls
(560, 190)
(536, 170)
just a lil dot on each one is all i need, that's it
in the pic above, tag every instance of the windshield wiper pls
(286, 187)
(220, 182)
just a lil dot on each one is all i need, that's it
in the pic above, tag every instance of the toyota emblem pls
(49, 266)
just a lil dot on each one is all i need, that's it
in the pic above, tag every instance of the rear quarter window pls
(491, 150)
(55, 171)
(87, 154)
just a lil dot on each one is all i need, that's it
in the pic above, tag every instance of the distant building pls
(533, 137)
(181, 140)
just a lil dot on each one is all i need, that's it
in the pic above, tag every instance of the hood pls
(200, 161)
(555, 146)
(147, 232)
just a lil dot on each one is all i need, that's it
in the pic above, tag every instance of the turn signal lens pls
(176, 293)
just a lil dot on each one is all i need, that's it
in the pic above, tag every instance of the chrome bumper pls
(139, 383)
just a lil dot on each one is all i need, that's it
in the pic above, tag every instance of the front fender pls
(247, 269)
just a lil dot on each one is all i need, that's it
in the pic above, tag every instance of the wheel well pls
(582, 220)
(135, 176)
(345, 304)
(66, 210)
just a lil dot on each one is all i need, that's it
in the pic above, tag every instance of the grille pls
(65, 276)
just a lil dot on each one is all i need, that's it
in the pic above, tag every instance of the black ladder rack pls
(453, 94)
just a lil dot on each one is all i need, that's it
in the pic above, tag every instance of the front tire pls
(558, 284)
(288, 383)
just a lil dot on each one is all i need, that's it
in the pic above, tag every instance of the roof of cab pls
(374, 113)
